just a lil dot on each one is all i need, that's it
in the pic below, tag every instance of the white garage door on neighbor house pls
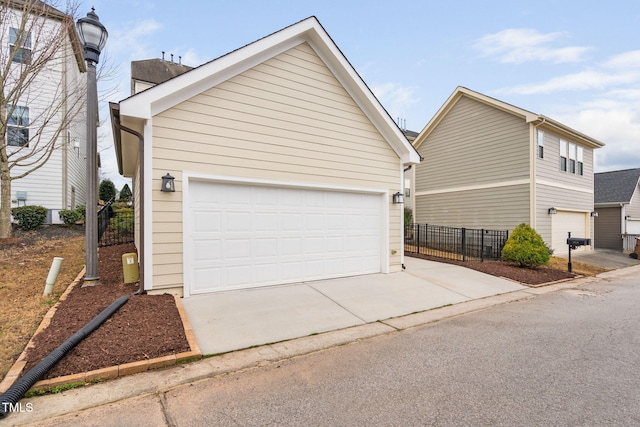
(242, 236)
(564, 222)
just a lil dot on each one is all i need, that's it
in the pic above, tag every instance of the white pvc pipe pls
(53, 275)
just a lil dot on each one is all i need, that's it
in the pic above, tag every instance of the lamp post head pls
(93, 36)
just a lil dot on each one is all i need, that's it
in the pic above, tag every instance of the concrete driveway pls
(234, 320)
(605, 258)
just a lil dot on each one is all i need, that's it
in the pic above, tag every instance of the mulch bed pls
(146, 327)
(527, 276)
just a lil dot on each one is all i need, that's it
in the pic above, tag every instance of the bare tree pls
(39, 100)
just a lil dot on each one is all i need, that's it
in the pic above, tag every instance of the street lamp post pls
(93, 36)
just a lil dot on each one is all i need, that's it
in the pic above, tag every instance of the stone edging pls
(104, 373)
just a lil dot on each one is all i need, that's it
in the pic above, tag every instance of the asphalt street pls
(570, 357)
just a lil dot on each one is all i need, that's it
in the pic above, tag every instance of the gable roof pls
(156, 71)
(144, 105)
(543, 122)
(615, 187)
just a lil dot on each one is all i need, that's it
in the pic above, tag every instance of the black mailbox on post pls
(574, 242)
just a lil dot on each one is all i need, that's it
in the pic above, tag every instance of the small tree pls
(526, 247)
(125, 194)
(107, 190)
(30, 47)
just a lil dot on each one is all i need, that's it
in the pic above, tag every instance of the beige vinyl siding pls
(563, 199)
(608, 228)
(287, 119)
(548, 168)
(494, 208)
(474, 145)
(633, 208)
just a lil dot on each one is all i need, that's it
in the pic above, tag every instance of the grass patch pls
(57, 389)
(578, 267)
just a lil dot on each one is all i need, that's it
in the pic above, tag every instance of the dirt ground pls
(145, 327)
(25, 261)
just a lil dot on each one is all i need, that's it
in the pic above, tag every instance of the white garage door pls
(242, 236)
(564, 222)
(633, 226)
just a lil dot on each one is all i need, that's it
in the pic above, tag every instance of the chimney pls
(172, 58)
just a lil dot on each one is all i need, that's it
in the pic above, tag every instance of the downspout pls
(141, 197)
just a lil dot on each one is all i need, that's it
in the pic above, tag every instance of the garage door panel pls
(633, 226)
(564, 222)
(257, 236)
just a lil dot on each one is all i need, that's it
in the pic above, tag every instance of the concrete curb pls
(107, 373)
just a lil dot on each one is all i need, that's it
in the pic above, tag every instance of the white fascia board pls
(360, 92)
(166, 95)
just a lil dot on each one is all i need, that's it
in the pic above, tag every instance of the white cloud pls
(397, 99)
(519, 45)
(584, 80)
(613, 118)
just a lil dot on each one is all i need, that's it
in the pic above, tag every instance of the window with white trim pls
(20, 46)
(572, 157)
(540, 144)
(580, 160)
(407, 188)
(17, 126)
(563, 155)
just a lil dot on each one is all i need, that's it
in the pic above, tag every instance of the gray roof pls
(156, 71)
(615, 186)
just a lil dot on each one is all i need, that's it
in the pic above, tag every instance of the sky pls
(576, 61)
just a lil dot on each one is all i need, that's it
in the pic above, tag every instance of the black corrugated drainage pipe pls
(9, 398)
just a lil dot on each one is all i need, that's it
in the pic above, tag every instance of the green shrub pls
(525, 247)
(82, 209)
(408, 216)
(29, 217)
(122, 223)
(117, 207)
(107, 190)
(70, 216)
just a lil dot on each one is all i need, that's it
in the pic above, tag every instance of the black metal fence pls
(115, 226)
(460, 244)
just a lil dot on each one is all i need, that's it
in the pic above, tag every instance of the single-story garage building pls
(285, 168)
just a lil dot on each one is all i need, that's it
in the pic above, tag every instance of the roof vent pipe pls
(163, 55)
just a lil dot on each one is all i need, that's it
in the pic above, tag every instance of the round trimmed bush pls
(29, 217)
(525, 247)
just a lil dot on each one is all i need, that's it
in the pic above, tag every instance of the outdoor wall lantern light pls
(553, 211)
(627, 217)
(398, 198)
(594, 214)
(167, 184)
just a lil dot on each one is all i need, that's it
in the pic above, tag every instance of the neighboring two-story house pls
(617, 202)
(51, 109)
(488, 164)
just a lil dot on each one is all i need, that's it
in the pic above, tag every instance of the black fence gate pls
(115, 226)
(460, 244)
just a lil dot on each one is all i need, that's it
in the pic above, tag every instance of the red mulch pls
(527, 276)
(147, 326)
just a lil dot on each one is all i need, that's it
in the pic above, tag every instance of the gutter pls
(118, 127)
